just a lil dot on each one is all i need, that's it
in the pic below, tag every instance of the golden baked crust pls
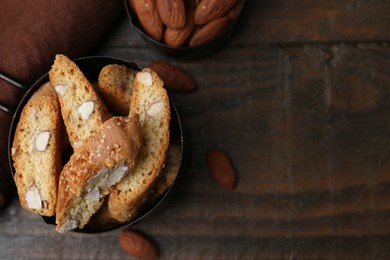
(103, 160)
(151, 102)
(36, 152)
(168, 173)
(115, 87)
(82, 109)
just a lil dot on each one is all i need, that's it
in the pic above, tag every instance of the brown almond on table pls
(172, 13)
(176, 38)
(137, 244)
(147, 14)
(221, 168)
(209, 31)
(209, 10)
(174, 78)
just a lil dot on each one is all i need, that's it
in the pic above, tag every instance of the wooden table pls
(299, 99)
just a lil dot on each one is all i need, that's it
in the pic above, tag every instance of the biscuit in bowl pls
(36, 152)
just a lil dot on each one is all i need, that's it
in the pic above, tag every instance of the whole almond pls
(209, 10)
(137, 244)
(221, 168)
(174, 78)
(147, 14)
(235, 11)
(176, 38)
(209, 31)
(172, 13)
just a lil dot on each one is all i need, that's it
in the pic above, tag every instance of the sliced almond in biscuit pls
(42, 140)
(85, 109)
(145, 78)
(155, 108)
(60, 89)
(33, 198)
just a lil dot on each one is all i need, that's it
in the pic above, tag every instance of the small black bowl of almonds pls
(95, 144)
(184, 28)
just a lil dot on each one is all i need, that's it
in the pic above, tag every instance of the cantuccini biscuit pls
(82, 109)
(36, 152)
(168, 173)
(115, 86)
(102, 161)
(151, 102)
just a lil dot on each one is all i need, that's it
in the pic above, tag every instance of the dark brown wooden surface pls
(300, 100)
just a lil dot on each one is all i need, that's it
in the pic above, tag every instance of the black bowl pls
(185, 52)
(91, 67)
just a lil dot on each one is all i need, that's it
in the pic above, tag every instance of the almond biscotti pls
(168, 173)
(82, 109)
(36, 152)
(103, 220)
(115, 86)
(104, 159)
(151, 102)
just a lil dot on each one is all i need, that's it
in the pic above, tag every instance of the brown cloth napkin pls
(31, 33)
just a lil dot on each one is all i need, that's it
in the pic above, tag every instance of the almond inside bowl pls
(208, 25)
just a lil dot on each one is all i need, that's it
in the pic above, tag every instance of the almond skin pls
(209, 31)
(209, 10)
(235, 11)
(174, 78)
(147, 14)
(221, 168)
(172, 13)
(137, 244)
(176, 38)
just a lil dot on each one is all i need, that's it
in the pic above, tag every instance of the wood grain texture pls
(306, 125)
(284, 21)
